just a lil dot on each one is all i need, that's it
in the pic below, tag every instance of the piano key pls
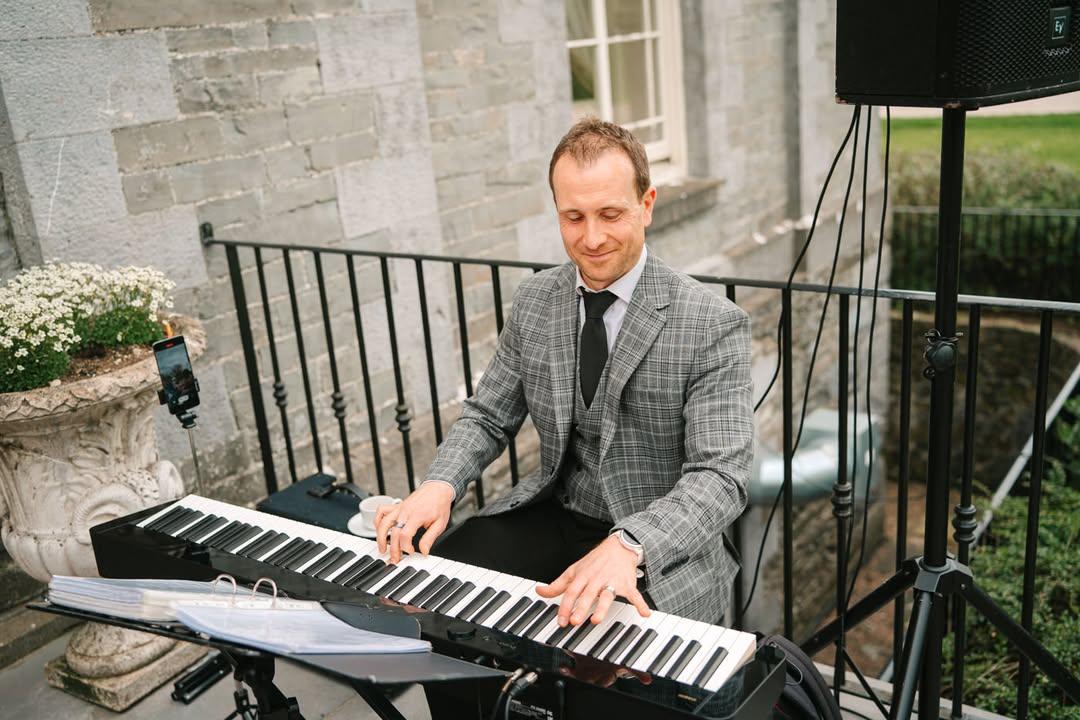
(617, 612)
(433, 570)
(737, 650)
(303, 558)
(329, 568)
(428, 590)
(711, 638)
(316, 566)
(688, 654)
(358, 568)
(227, 531)
(415, 581)
(516, 589)
(202, 526)
(480, 581)
(455, 597)
(665, 627)
(606, 640)
(442, 593)
(287, 558)
(661, 660)
(374, 576)
(388, 580)
(527, 617)
(280, 551)
(397, 580)
(241, 539)
(623, 642)
(542, 622)
(715, 660)
(577, 636)
(162, 520)
(476, 603)
(494, 604)
(184, 518)
(512, 614)
(639, 647)
(263, 545)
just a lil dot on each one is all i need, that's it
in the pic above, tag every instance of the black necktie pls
(593, 342)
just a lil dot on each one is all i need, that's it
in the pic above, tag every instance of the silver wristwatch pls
(626, 540)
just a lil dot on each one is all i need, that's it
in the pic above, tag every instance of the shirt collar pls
(623, 288)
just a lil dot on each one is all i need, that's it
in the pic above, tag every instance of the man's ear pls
(648, 200)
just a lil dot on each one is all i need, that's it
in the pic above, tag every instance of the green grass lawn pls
(1047, 138)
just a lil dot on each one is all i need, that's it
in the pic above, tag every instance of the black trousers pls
(538, 542)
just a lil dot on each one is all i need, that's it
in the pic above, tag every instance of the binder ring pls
(273, 585)
(226, 577)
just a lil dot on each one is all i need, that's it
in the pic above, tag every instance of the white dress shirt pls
(623, 289)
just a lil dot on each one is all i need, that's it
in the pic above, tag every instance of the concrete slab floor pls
(24, 694)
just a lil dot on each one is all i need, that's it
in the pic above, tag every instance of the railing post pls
(788, 410)
(841, 499)
(402, 415)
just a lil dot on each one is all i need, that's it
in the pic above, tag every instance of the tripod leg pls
(920, 617)
(1022, 640)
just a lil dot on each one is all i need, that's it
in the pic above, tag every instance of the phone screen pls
(175, 370)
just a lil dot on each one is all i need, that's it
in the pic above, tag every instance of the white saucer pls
(357, 526)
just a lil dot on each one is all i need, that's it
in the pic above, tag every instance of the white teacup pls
(370, 505)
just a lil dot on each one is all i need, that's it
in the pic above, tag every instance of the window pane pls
(583, 82)
(657, 88)
(650, 133)
(579, 24)
(629, 91)
(625, 16)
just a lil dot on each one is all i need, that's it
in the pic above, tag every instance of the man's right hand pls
(427, 507)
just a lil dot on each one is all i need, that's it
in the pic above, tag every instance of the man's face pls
(601, 217)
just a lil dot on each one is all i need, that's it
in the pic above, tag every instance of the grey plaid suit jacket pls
(676, 429)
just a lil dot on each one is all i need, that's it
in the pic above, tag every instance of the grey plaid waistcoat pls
(676, 423)
(579, 482)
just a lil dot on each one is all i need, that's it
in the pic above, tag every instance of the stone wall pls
(406, 125)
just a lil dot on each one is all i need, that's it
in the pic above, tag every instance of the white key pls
(710, 639)
(480, 581)
(663, 629)
(731, 662)
(594, 637)
(685, 630)
(434, 571)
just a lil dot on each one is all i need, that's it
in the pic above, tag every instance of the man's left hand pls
(609, 570)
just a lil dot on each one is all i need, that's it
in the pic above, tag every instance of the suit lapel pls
(562, 351)
(643, 321)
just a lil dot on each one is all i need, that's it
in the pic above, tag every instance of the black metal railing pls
(444, 291)
(1011, 252)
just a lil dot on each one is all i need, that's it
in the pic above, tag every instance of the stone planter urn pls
(73, 456)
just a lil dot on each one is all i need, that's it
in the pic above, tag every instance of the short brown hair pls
(590, 137)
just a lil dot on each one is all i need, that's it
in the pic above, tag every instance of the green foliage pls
(47, 365)
(991, 663)
(120, 326)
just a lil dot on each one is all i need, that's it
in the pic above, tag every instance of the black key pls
(410, 585)
(516, 609)
(443, 592)
(665, 654)
(622, 643)
(168, 517)
(476, 603)
(260, 546)
(283, 551)
(430, 589)
(303, 547)
(179, 521)
(717, 659)
(496, 602)
(367, 572)
(635, 652)
(684, 659)
(605, 640)
(298, 562)
(224, 532)
(242, 539)
(527, 617)
(560, 632)
(397, 581)
(328, 570)
(373, 578)
(201, 527)
(355, 570)
(584, 629)
(542, 621)
(455, 597)
(316, 567)
(206, 531)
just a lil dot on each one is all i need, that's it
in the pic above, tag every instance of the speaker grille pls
(1002, 46)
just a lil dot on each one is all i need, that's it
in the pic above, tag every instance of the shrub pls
(50, 312)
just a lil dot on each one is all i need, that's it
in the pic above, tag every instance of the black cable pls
(502, 693)
(853, 126)
(516, 689)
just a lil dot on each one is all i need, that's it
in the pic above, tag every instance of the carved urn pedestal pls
(73, 456)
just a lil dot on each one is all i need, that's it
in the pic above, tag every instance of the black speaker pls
(955, 53)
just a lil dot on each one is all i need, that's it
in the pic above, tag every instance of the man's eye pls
(573, 218)
(610, 216)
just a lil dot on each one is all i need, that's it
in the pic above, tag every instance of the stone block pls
(323, 7)
(225, 94)
(291, 32)
(198, 40)
(205, 180)
(382, 192)
(171, 143)
(71, 181)
(253, 35)
(34, 21)
(468, 154)
(292, 85)
(133, 14)
(286, 163)
(147, 191)
(165, 239)
(229, 211)
(508, 209)
(256, 61)
(330, 116)
(258, 130)
(401, 119)
(302, 193)
(76, 85)
(389, 53)
(316, 224)
(458, 190)
(341, 151)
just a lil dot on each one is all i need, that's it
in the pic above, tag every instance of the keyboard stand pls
(366, 674)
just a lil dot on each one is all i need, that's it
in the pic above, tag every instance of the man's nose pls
(594, 235)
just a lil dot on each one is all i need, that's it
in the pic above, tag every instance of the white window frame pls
(667, 158)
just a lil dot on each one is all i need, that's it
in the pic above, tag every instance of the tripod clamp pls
(940, 353)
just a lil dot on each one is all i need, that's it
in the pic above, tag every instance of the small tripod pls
(935, 576)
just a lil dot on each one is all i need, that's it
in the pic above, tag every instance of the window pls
(625, 67)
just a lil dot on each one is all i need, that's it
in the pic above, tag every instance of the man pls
(637, 380)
